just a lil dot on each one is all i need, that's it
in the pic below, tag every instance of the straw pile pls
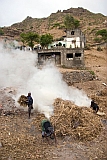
(79, 122)
(22, 100)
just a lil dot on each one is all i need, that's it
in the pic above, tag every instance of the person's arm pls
(97, 108)
(31, 100)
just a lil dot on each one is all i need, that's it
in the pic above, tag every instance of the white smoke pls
(19, 69)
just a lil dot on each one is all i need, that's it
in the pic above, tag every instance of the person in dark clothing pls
(47, 130)
(94, 106)
(29, 103)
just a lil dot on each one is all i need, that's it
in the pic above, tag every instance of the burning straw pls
(79, 122)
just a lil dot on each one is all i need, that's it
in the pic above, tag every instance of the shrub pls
(87, 47)
(92, 72)
(98, 40)
(1, 32)
(99, 48)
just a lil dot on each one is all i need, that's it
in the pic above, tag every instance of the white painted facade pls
(72, 42)
(55, 44)
(74, 39)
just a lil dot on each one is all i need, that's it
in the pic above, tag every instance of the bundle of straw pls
(22, 100)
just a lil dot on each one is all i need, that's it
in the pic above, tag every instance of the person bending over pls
(94, 106)
(47, 130)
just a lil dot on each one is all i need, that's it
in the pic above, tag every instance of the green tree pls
(29, 38)
(76, 23)
(45, 40)
(1, 32)
(71, 23)
(102, 33)
(23, 37)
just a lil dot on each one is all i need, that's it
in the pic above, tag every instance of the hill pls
(90, 23)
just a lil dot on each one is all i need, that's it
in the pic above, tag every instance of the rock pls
(1, 144)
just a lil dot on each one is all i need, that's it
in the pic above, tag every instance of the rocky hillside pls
(54, 24)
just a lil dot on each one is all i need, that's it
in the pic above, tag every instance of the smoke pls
(18, 69)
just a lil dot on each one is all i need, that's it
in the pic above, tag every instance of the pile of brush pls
(79, 122)
(22, 100)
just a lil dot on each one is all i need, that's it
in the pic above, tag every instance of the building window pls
(77, 54)
(72, 32)
(69, 56)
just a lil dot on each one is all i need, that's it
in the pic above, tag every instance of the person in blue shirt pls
(29, 103)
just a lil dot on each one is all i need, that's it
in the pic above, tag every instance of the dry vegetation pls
(81, 134)
(79, 122)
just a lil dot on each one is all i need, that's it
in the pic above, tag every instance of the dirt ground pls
(20, 137)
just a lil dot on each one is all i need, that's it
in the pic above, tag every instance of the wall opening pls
(77, 54)
(69, 56)
(72, 32)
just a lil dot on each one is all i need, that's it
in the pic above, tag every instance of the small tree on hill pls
(23, 37)
(29, 38)
(45, 40)
(102, 33)
(71, 23)
(1, 32)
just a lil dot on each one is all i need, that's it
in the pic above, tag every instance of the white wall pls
(70, 44)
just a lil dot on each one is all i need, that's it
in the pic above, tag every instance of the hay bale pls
(79, 122)
(22, 100)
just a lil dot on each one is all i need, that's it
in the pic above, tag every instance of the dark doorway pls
(54, 57)
(72, 32)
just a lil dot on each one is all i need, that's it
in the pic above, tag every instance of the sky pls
(14, 11)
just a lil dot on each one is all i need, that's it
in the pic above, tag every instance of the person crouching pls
(94, 106)
(47, 130)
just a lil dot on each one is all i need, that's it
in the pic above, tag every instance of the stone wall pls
(77, 76)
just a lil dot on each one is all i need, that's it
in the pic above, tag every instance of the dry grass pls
(79, 122)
